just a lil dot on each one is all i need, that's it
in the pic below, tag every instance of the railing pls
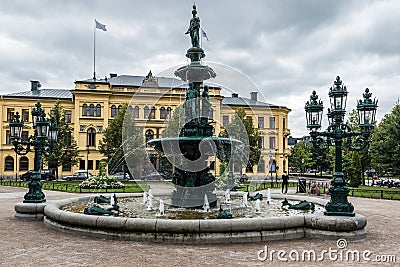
(63, 187)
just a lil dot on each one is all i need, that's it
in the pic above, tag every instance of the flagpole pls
(201, 38)
(94, 52)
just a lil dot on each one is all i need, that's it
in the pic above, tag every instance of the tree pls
(66, 151)
(176, 123)
(122, 142)
(241, 127)
(385, 145)
(301, 156)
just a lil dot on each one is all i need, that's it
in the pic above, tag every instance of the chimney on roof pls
(253, 96)
(235, 95)
(113, 75)
(35, 85)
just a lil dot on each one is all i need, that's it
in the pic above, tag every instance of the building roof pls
(43, 93)
(242, 101)
(139, 81)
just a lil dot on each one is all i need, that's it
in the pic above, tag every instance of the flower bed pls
(99, 182)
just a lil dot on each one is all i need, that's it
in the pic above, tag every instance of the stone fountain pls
(194, 187)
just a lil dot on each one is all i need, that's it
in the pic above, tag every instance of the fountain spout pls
(258, 206)
(206, 206)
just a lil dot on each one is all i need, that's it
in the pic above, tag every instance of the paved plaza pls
(31, 243)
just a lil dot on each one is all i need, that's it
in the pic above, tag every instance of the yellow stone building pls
(93, 103)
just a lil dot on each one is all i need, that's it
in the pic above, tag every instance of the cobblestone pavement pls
(31, 243)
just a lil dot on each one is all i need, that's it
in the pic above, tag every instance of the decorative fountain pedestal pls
(195, 144)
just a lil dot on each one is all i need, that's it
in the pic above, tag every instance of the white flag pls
(100, 26)
(204, 34)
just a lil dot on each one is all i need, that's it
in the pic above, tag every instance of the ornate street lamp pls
(334, 135)
(43, 141)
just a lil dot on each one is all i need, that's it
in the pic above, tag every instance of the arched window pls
(152, 114)
(119, 108)
(146, 112)
(136, 112)
(149, 135)
(169, 112)
(261, 166)
(23, 164)
(163, 113)
(98, 110)
(91, 137)
(84, 110)
(91, 110)
(9, 163)
(113, 111)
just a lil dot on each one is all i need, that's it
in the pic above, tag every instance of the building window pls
(24, 136)
(8, 139)
(91, 110)
(25, 115)
(136, 112)
(284, 123)
(163, 113)
(169, 112)
(272, 144)
(225, 120)
(262, 142)
(84, 110)
(68, 116)
(23, 164)
(119, 108)
(98, 110)
(152, 114)
(66, 168)
(91, 137)
(272, 122)
(90, 164)
(261, 166)
(9, 163)
(113, 111)
(82, 164)
(10, 114)
(284, 143)
(212, 165)
(261, 122)
(146, 112)
(149, 135)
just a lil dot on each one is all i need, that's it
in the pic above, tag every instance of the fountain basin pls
(206, 231)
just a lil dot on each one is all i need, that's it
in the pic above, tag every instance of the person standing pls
(285, 182)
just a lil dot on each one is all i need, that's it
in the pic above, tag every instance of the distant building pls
(93, 103)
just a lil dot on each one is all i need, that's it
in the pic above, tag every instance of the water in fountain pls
(150, 202)
(206, 205)
(268, 196)
(257, 206)
(144, 198)
(227, 196)
(161, 208)
(244, 200)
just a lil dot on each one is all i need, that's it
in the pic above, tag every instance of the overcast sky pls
(287, 48)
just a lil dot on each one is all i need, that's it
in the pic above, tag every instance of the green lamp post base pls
(339, 205)
(35, 194)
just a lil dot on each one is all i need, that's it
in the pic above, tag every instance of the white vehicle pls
(78, 176)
